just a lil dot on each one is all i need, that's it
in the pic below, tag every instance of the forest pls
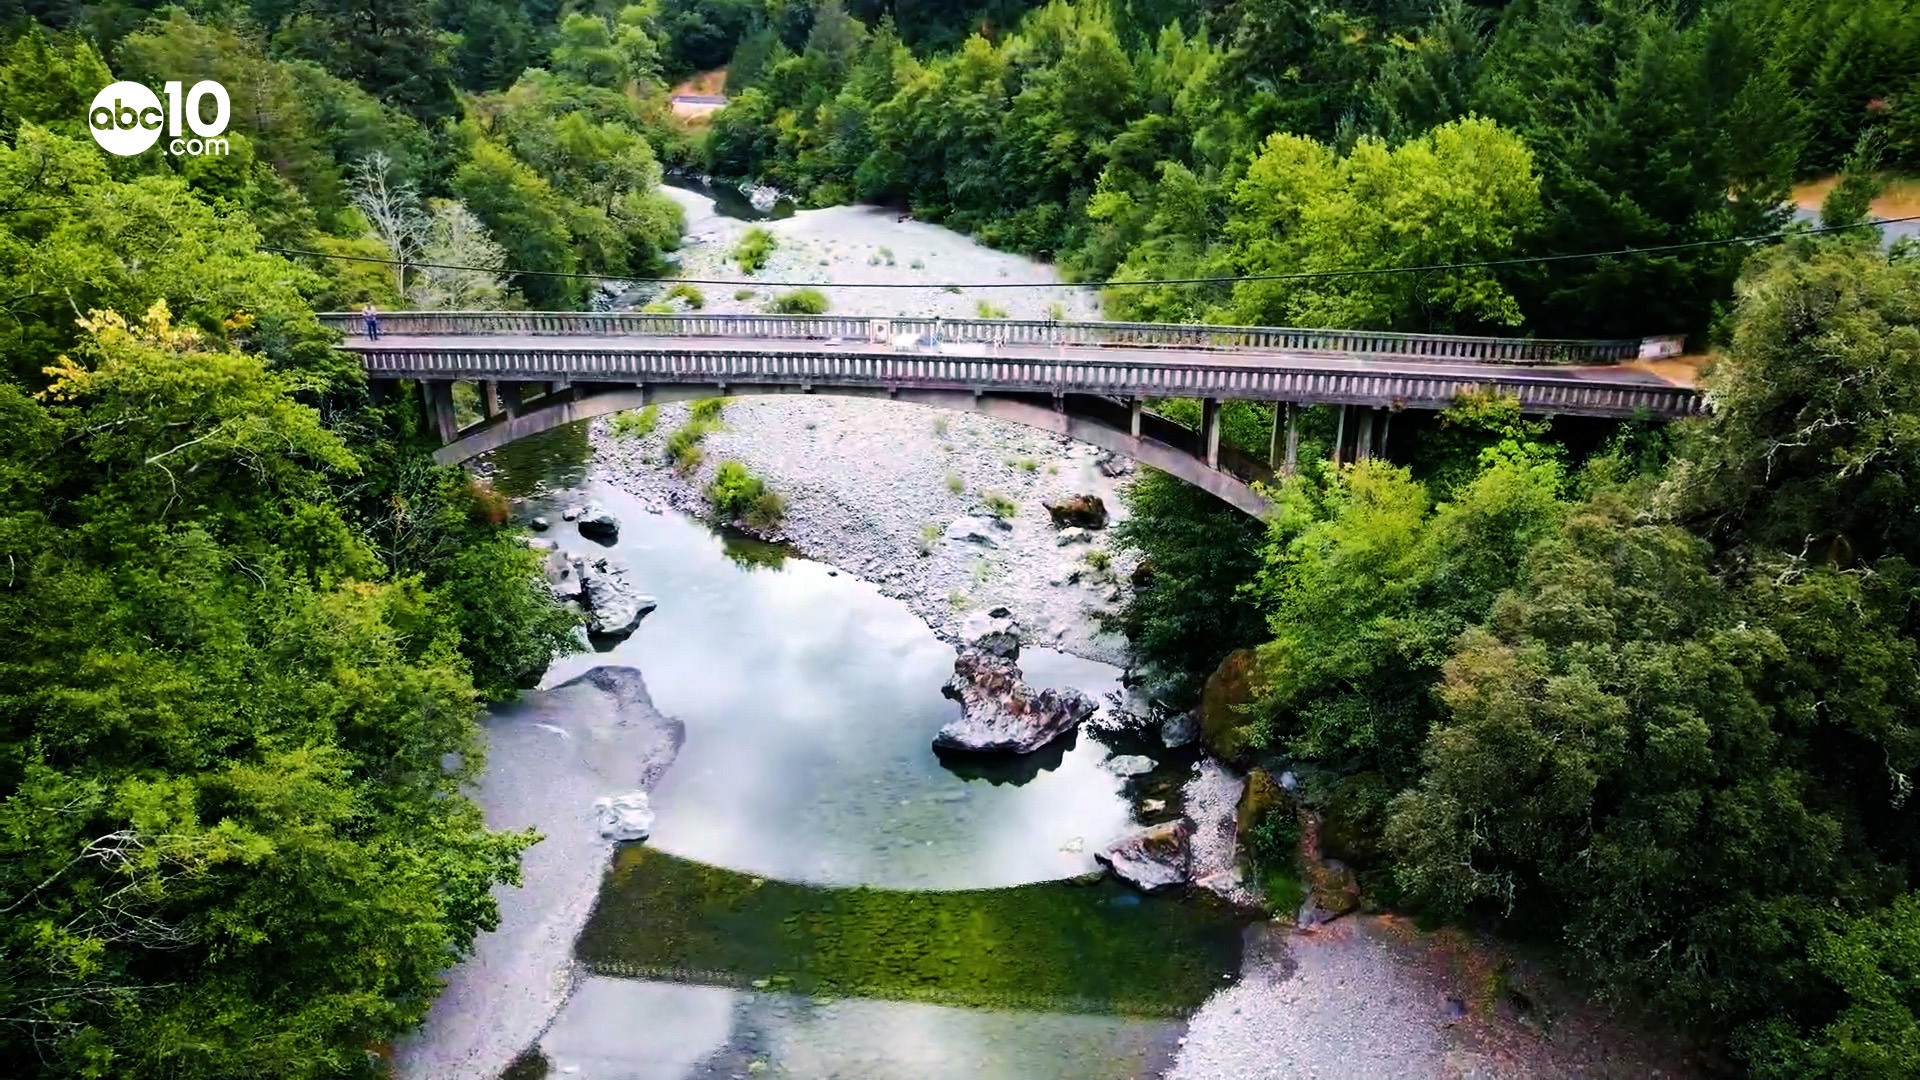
(1649, 701)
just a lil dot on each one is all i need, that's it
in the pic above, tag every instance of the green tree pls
(522, 210)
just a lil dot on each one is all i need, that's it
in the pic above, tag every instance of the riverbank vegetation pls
(248, 629)
(1658, 707)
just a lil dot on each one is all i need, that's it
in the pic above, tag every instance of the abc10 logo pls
(126, 118)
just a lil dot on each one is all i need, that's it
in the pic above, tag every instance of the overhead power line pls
(1309, 275)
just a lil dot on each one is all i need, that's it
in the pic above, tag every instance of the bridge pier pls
(1134, 408)
(490, 399)
(1210, 430)
(1284, 461)
(439, 403)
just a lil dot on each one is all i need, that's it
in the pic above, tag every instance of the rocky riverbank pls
(905, 496)
(549, 758)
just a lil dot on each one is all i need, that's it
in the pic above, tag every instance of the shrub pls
(929, 535)
(658, 307)
(743, 294)
(1099, 559)
(940, 426)
(887, 254)
(988, 311)
(734, 491)
(955, 484)
(635, 425)
(683, 446)
(754, 247)
(1057, 311)
(1001, 506)
(768, 510)
(694, 297)
(799, 302)
(1029, 465)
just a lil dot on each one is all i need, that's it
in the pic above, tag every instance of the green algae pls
(1057, 946)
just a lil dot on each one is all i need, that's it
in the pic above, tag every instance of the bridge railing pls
(1031, 332)
(1263, 379)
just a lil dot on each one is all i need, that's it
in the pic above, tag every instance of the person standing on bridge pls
(372, 316)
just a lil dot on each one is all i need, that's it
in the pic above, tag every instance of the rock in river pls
(566, 575)
(1154, 859)
(1000, 714)
(624, 817)
(598, 522)
(614, 606)
(1085, 511)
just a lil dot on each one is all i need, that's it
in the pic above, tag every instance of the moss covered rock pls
(1356, 819)
(1223, 727)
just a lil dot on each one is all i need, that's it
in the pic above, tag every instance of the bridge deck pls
(1159, 371)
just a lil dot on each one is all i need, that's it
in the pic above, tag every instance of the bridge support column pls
(439, 400)
(1282, 455)
(1210, 430)
(1340, 436)
(510, 398)
(1363, 438)
(490, 398)
(1134, 409)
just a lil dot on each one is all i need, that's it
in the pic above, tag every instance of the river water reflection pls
(810, 701)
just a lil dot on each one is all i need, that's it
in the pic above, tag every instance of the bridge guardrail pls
(1095, 374)
(1525, 351)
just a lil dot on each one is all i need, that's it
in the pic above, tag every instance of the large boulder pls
(566, 576)
(1085, 511)
(1223, 727)
(614, 606)
(1262, 795)
(1154, 859)
(624, 817)
(1000, 714)
(598, 522)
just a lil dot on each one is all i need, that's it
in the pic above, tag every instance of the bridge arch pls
(1091, 421)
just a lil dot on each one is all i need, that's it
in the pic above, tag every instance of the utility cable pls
(1522, 260)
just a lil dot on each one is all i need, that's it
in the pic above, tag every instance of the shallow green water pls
(1055, 946)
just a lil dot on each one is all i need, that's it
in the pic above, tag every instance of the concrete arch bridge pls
(1089, 381)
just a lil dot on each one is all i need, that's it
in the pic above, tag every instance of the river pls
(822, 895)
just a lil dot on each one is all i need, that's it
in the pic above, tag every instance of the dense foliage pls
(1661, 709)
(1179, 139)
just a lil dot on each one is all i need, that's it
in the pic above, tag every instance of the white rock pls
(624, 817)
(1073, 534)
(1129, 764)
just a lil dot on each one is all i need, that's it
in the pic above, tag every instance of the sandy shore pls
(548, 757)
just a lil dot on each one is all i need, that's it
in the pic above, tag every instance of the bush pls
(929, 536)
(1099, 559)
(1028, 464)
(955, 484)
(737, 494)
(754, 247)
(768, 510)
(694, 297)
(658, 307)
(988, 311)
(635, 425)
(1001, 506)
(743, 294)
(799, 302)
(940, 426)
(683, 446)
